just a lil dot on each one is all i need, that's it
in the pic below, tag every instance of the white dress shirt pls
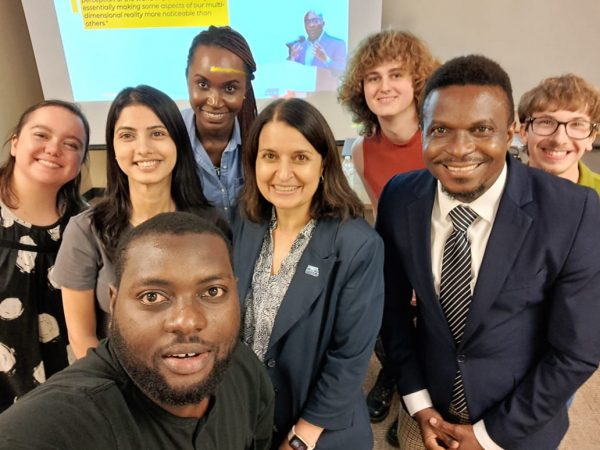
(486, 207)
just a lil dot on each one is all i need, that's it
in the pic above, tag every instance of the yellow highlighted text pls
(106, 14)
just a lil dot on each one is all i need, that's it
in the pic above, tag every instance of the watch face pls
(297, 444)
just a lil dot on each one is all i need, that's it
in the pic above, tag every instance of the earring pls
(322, 178)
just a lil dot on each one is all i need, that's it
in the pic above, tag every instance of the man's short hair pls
(316, 13)
(172, 224)
(471, 70)
(569, 92)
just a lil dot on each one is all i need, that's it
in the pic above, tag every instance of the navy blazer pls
(531, 336)
(335, 49)
(325, 329)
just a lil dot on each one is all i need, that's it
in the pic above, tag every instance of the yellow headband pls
(226, 70)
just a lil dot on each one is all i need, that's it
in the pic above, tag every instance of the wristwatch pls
(298, 443)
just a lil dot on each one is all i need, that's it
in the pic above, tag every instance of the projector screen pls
(88, 50)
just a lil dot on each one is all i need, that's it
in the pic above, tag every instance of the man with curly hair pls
(559, 122)
(382, 88)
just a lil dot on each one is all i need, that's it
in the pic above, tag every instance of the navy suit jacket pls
(335, 49)
(325, 329)
(532, 334)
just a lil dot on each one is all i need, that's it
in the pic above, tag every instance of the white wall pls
(531, 39)
(19, 81)
(20, 84)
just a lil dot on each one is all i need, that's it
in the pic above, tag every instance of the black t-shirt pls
(94, 405)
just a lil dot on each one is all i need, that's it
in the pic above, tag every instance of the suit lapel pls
(311, 276)
(419, 237)
(508, 233)
(248, 246)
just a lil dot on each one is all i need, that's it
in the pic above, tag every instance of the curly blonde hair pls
(388, 45)
(569, 92)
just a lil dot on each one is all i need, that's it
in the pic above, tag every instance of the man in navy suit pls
(529, 335)
(320, 49)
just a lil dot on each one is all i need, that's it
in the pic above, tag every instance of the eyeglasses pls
(575, 129)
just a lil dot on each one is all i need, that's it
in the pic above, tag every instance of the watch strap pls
(297, 442)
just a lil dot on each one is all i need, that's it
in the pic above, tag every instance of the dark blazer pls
(532, 335)
(335, 49)
(325, 329)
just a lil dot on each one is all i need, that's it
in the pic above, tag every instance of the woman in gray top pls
(150, 170)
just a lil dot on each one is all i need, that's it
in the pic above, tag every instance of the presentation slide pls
(110, 44)
(88, 50)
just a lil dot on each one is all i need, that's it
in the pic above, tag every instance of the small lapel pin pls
(312, 271)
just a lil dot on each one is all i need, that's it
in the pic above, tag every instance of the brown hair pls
(569, 92)
(69, 192)
(389, 45)
(334, 197)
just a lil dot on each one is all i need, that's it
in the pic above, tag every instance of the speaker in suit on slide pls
(318, 48)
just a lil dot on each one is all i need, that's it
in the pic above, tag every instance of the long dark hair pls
(69, 192)
(111, 216)
(334, 197)
(229, 39)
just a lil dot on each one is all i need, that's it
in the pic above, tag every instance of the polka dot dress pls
(33, 338)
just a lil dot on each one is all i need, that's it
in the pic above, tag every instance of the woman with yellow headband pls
(219, 71)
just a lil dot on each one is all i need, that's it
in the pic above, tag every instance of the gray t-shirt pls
(82, 263)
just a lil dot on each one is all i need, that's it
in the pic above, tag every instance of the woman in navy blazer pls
(310, 279)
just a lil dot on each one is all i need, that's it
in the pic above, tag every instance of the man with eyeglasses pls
(559, 123)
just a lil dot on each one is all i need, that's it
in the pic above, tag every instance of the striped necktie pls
(455, 288)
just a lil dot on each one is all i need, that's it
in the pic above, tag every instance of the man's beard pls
(153, 384)
(465, 197)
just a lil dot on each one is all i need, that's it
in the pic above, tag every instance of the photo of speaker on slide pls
(318, 48)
